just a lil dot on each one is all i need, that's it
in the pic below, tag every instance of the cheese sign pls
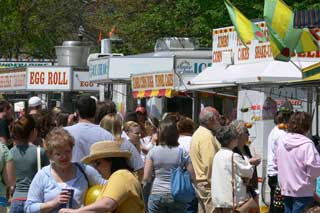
(152, 81)
(12, 81)
(49, 78)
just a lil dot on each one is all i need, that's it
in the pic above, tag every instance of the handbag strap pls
(83, 172)
(181, 161)
(233, 182)
(38, 158)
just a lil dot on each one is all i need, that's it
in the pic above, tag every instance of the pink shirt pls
(298, 164)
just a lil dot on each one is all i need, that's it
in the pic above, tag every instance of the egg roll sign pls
(48, 79)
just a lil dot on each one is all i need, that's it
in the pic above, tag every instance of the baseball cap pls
(34, 101)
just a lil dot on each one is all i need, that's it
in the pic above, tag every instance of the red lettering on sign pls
(31, 78)
(217, 56)
(169, 80)
(150, 81)
(312, 54)
(36, 78)
(243, 54)
(160, 81)
(135, 82)
(263, 51)
(50, 78)
(223, 41)
(256, 107)
(86, 84)
(57, 78)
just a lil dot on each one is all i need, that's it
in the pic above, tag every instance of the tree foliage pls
(31, 28)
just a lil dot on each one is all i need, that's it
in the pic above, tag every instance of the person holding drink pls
(123, 193)
(62, 184)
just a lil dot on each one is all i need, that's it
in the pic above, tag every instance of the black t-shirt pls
(4, 129)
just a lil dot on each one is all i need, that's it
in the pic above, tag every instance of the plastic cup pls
(69, 204)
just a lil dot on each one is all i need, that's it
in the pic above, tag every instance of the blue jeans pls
(165, 203)
(17, 206)
(192, 207)
(296, 204)
(3, 201)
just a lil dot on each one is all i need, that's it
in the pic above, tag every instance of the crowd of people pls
(50, 159)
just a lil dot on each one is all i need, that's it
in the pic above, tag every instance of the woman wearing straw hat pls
(123, 192)
(113, 122)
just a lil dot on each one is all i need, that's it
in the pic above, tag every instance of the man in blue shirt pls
(85, 132)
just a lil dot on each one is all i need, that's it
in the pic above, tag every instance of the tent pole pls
(299, 68)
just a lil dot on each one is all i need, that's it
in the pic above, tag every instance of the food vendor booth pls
(260, 83)
(56, 86)
(118, 73)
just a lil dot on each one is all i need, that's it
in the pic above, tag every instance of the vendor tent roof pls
(267, 71)
(307, 18)
(312, 72)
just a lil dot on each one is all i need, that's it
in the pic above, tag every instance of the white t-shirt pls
(273, 138)
(185, 142)
(147, 144)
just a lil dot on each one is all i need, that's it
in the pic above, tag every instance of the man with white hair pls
(203, 148)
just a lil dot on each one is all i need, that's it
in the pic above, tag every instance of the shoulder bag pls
(181, 185)
(246, 205)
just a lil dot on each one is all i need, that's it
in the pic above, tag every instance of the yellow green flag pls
(280, 22)
(246, 30)
(279, 50)
(306, 42)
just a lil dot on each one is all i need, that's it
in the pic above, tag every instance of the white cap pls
(34, 101)
(94, 98)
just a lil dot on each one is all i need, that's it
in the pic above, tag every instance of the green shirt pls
(25, 160)
(5, 156)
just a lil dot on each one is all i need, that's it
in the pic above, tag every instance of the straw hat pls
(105, 149)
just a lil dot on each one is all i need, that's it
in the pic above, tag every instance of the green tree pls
(31, 28)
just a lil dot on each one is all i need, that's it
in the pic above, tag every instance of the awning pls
(169, 93)
(312, 72)
(200, 87)
(268, 71)
(208, 77)
(307, 18)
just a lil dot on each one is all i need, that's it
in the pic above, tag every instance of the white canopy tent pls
(268, 71)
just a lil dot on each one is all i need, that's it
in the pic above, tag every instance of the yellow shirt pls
(125, 189)
(203, 148)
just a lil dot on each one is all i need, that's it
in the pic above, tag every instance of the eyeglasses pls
(247, 133)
